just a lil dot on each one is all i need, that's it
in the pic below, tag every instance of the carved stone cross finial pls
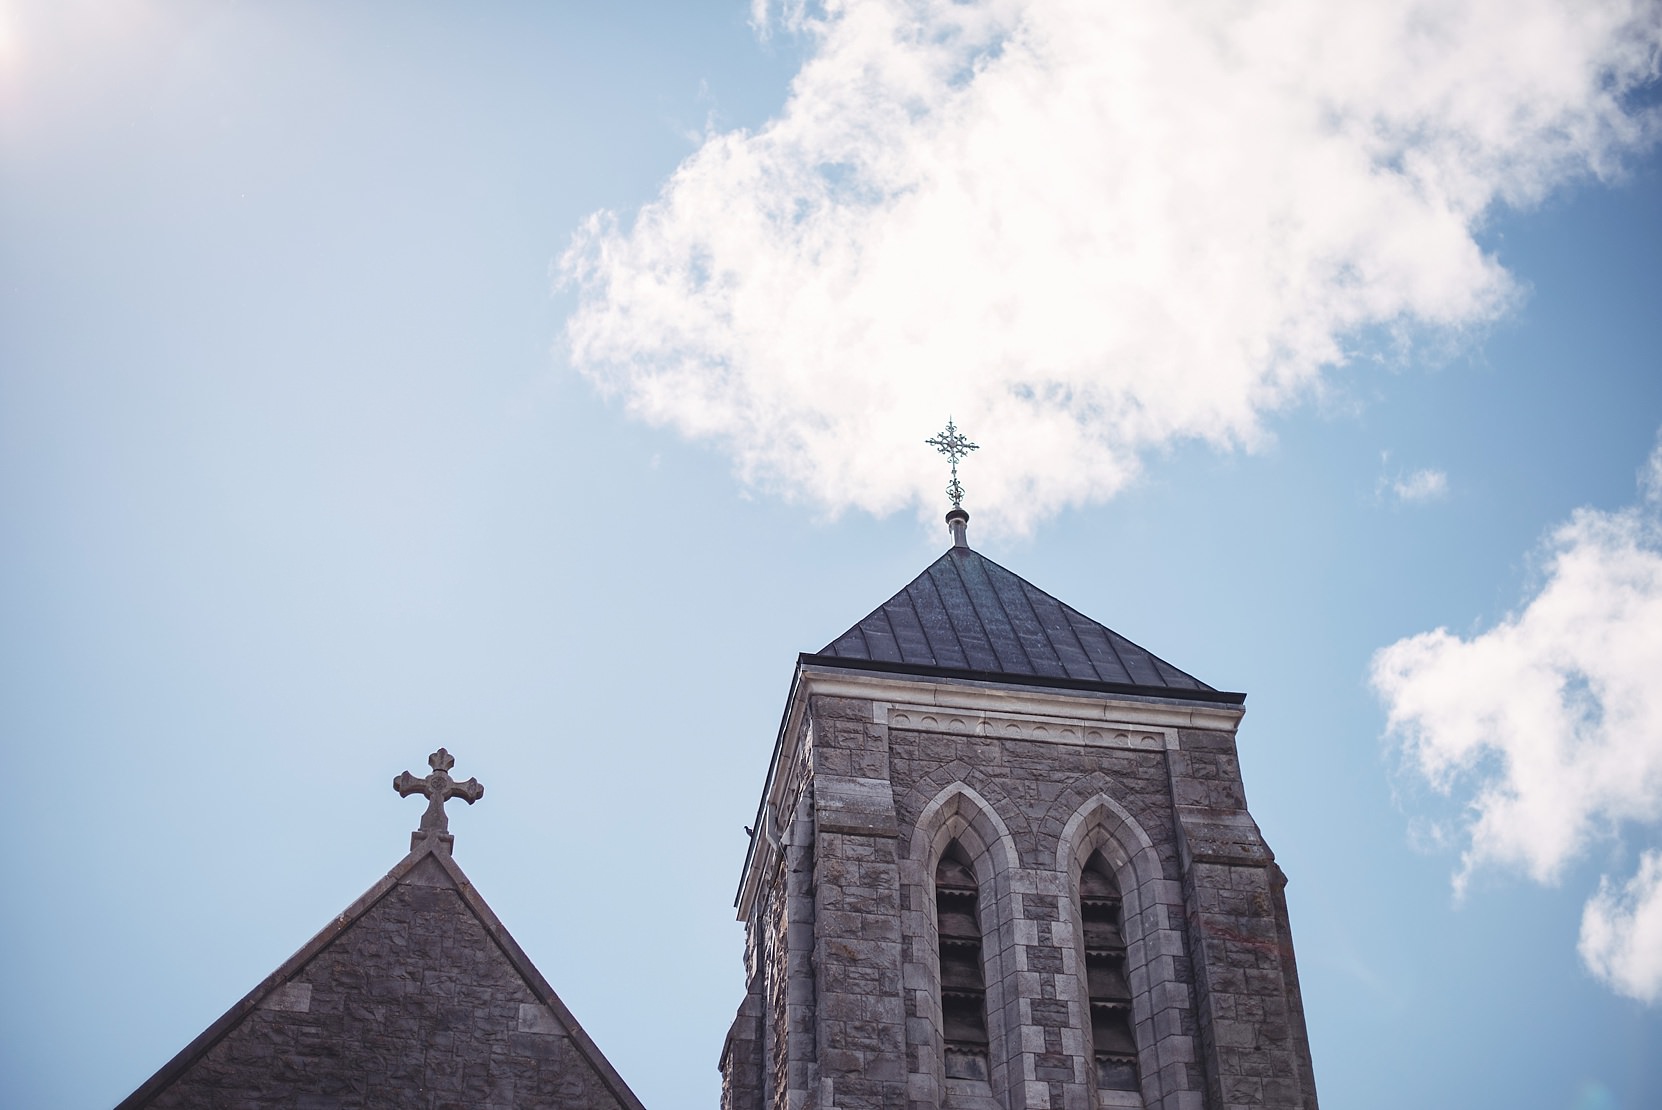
(437, 788)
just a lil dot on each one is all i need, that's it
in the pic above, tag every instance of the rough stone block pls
(859, 806)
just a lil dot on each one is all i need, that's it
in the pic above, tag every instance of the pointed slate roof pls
(966, 616)
(416, 995)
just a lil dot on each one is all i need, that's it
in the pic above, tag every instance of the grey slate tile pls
(967, 613)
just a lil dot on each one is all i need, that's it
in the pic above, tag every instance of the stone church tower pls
(1003, 859)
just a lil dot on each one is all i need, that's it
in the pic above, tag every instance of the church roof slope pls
(966, 616)
(415, 995)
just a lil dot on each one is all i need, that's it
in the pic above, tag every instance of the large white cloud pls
(1083, 228)
(1551, 723)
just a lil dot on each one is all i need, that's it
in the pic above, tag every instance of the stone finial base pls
(441, 842)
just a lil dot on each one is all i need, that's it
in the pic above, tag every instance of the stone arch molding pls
(959, 812)
(1100, 823)
(930, 800)
(1153, 914)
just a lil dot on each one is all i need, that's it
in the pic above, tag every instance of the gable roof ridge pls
(188, 1056)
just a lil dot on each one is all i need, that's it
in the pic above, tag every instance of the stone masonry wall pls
(1035, 786)
(741, 1053)
(414, 1005)
(1295, 996)
(1252, 1021)
(776, 1039)
(768, 1062)
(862, 1021)
(1216, 1006)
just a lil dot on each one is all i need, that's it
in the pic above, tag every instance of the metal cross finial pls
(437, 788)
(954, 446)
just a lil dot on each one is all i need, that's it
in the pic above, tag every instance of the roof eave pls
(1180, 693)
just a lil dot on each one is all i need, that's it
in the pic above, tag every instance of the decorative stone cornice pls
(966, 706)
(1011, 701)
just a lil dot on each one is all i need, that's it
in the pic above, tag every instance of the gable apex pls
(968, 617)
(415, 985)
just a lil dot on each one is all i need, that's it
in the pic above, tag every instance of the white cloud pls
(1650, 475)
(1551, 723)
(1084, 229)
(1421, 485)
(1621, 932)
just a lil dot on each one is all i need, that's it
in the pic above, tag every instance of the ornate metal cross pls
(437, 788)
(954, 447)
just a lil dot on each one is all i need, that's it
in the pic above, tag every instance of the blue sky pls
(335, 427)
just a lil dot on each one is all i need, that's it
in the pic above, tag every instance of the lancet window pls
(1100, 913)
(963, 984)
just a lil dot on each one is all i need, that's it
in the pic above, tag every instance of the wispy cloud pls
(1621, 931)
(1084, 229)
(1413, 487)
(1550, 724)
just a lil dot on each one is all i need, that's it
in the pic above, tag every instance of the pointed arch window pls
(1100, 914)
(963, 984)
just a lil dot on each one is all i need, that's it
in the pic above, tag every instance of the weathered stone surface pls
(410, 1000)
(741, 1055)
(863, 806)
(1216, 1012)
(438, 788)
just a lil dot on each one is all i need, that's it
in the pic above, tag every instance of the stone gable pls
(415, 997)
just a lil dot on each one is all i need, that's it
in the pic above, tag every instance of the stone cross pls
(437, 788)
